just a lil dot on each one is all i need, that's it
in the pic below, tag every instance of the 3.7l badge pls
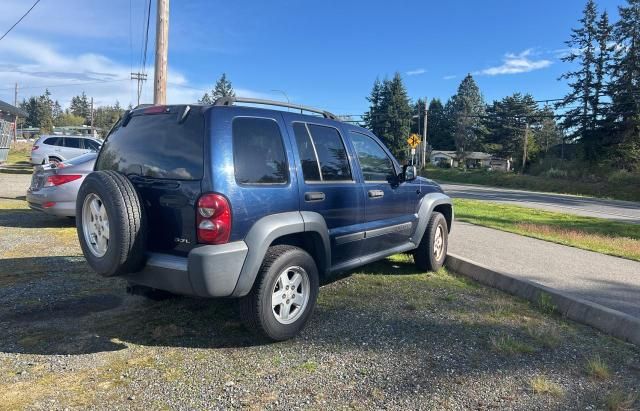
(182, 240)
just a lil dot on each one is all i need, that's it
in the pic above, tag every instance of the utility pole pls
(15, 121)
(424, 134)
(526, 142)
(141, 77)
(91, 115)
(162, 50)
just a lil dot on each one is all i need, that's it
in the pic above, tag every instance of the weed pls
(545, 303)
(509, 345)
(309, 366)
(542, 385)
(617, 400)
(597, 368)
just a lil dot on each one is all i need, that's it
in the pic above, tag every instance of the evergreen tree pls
(507, 120)
(373, 118)
(548, 133)
(581, 81)
(625, 86)
(80, 107)
(222, 88)
(602, 64)
(396, 114)
(389, 115)
(439, 134)
(468, 116)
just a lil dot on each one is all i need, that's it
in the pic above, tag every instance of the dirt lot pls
(385, 337)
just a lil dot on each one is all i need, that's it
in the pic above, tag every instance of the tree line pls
(600, 115)
(45, 113)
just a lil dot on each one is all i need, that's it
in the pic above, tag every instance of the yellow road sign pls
(413, 140)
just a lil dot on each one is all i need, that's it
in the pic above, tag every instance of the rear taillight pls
(213, 219)
(58, 179)
(34, 148)
(156, 110)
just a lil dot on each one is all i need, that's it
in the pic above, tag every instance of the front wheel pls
(284, 294)
(432, 250)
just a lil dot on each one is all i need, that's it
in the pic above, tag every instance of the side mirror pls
(409, 173)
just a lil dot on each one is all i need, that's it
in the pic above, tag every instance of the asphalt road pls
(610, 281)
(625, 211)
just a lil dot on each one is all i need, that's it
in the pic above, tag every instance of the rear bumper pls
(59, 208)
(208, 271)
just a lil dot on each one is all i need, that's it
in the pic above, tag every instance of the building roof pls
(471, 155)
(8, 108)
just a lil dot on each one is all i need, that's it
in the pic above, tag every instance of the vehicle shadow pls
(26, 218)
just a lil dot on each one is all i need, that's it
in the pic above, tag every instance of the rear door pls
(161, 152)
(388, 220)
(73, 147)
(328, 185)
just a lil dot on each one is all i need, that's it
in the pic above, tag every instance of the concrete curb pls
(613, 322)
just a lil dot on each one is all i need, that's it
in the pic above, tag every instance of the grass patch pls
(542, 385)
(618, 400)
(309, 366)
(509, 345)
(597, 368)
(19, 153)
(619, 187)
(589, 233)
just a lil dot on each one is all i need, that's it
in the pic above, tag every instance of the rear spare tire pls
(111, 224)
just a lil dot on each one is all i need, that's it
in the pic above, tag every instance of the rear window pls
(157, 146)
(258, 152)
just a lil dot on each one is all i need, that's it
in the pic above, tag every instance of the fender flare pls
(425, 208)
(269, 228)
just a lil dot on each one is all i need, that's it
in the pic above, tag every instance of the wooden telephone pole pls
(162, 49)
(424, 134)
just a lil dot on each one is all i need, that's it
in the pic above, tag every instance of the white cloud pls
(37, 65)
(416, 72)
(516, 63)
(450, 77)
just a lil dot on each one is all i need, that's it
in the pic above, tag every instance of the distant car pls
(54, 187)
(56, 149)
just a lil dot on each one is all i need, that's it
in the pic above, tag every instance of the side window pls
(72, 142)
(334, 163)
(374, 162)
(308, 158)
(91, 145)
(53, 141)
(258, 152)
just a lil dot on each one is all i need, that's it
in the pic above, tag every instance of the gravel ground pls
(386, 337)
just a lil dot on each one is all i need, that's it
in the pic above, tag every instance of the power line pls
(20, 19)
(146, 38)
(68, 84)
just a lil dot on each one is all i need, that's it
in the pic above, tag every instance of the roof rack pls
(229, 101)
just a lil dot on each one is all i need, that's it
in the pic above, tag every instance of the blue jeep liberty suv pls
(237, 200)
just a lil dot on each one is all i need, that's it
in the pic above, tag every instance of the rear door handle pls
(314, 196)
(376, 193)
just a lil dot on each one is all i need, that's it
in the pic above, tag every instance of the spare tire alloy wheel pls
(95, 225)
(111, 224)
(290, 295)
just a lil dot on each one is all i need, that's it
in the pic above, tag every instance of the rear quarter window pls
(157, 146)
(258, 152)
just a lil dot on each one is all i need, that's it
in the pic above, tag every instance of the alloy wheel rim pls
(95, 225)
(290, 295)
(438, 243)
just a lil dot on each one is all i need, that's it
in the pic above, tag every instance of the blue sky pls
(325, 54)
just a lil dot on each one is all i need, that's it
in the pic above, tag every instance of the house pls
(8, 117)
(471, 159)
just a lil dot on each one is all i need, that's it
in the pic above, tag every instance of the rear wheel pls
(54, 161)
(432, 250)
(110, 223)
(284, 294)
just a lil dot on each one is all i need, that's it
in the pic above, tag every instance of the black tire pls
(256, 309)
(424, 256)
(53, 160)
(125, 251)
